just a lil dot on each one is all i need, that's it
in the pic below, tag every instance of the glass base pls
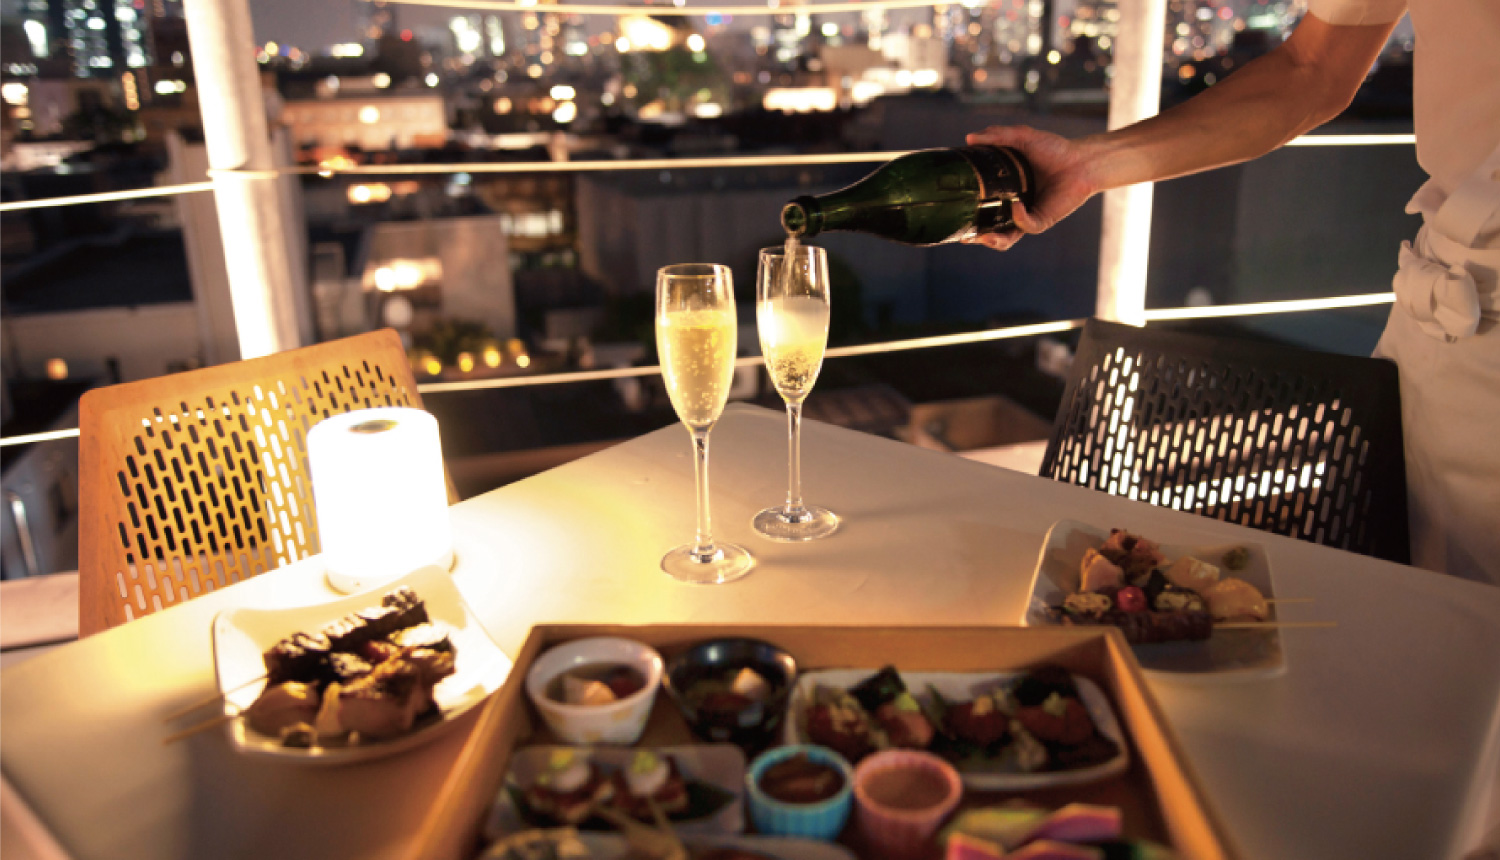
(727, 564)
(778, 524)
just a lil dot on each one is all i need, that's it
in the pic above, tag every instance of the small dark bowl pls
(752, 728)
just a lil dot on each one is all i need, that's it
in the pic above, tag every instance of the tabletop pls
(1381, 740)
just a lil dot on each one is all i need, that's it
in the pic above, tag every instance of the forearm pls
(1297, 87)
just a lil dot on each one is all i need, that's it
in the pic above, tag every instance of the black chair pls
(1290, 441)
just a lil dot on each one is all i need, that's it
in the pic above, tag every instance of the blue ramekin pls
(822, 820)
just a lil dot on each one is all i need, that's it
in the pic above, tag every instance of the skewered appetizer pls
(1127, 582)
(1036, 723)
(650, 778)
(569, 788)
(573, 785)
(367, 676)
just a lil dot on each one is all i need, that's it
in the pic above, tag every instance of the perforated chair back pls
(1285, 440)
(192, 481)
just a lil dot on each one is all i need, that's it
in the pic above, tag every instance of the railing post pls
(261, 285)
(1135, 94)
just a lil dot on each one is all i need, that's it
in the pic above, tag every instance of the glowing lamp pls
(380, 496)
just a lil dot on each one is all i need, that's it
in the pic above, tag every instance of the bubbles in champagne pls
(697, 360)
(793, 334)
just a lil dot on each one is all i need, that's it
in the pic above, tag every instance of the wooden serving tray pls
(1159, 795)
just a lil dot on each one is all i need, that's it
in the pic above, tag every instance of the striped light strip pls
(1259, 308)
(866, 349)
(604, 164)
(584, 167)
(107, 196)
(1352, 140)
(773, 8)
(29, 438)
(757, 361)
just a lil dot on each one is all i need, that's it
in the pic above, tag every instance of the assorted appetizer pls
(599, 684)
(367, 676)
(1128, 582)
(1035, 723)
(574, 783)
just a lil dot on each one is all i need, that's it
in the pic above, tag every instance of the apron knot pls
(1443, 300)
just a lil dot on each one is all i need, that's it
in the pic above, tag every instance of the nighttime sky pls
(313, 24)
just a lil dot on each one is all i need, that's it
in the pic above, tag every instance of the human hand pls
(1061, 173)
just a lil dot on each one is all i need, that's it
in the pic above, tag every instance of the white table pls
(1381, 741)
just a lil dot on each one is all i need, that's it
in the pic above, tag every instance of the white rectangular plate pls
(241, 636)
(962, 687)
(719, 765)
(1226, 655)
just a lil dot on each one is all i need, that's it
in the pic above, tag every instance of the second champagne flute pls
(791, 314)
(696, 336)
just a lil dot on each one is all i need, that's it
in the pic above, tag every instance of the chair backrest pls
(1291, 441)
(195, 480)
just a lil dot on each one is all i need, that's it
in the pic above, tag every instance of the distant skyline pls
(315, 24)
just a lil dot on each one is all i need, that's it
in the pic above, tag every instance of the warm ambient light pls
(57, 369)
(369, 114)
(492, 357)
(375, 192)
(400, 275)
(380, 496)
(465, 362)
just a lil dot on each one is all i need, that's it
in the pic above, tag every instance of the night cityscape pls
(491, 274)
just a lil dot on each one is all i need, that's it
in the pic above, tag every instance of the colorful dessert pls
(1078, 831)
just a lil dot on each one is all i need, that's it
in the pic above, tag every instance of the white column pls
(261, 285)
(1135, 94)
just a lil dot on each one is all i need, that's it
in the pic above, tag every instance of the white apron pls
(1444, 335)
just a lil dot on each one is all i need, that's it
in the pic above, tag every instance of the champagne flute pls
(695, 335)
(791, 313)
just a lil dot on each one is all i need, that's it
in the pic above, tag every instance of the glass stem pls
(795, 512)
(703, 548)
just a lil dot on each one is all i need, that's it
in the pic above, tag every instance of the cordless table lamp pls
(381, 498)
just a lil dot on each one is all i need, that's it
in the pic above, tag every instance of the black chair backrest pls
(1286, 440)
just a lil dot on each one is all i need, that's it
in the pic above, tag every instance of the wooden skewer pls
(204, 726)
(203, 703)
(1261, 625)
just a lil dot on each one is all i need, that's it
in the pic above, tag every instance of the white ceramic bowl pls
(619, 722)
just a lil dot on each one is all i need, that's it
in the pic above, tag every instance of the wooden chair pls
(192, 481)
(1290, 441)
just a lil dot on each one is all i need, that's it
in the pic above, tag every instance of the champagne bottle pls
(923, 198)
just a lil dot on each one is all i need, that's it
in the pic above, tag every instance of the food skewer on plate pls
(367, 676)
(1128, 582)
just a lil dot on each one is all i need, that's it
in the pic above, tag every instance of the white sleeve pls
(1348, 12)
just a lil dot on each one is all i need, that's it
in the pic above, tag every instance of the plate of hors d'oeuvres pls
(698, 787)
(567, 843)
(1194, 611)
(1002, 731)
(354, 679)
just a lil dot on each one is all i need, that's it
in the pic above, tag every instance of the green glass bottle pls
(923, 198)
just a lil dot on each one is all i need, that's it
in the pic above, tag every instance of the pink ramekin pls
(902, 832)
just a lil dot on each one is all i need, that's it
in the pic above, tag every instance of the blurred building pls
(368, 121)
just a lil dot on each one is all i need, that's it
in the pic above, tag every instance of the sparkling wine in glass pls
(695, 336)
(791, 314)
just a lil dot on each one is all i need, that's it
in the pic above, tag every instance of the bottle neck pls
(803, 217)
